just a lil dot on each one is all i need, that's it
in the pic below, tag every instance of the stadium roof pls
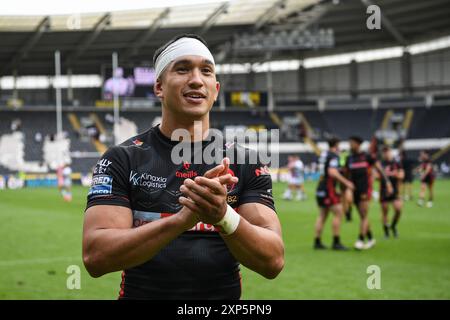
(86, 41)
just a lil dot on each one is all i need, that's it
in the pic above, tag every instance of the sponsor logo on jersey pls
(101, 185)
(147, 180)
(321, 194)
(101, 166)
(187, 173)
(359, 165)
(141, 218)
(228, 145)
(204, 227)
(262, 171)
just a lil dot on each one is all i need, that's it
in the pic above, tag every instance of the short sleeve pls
(109, 180)
(257, 186)
(334, 162)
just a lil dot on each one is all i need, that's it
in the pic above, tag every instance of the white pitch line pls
(11, 263)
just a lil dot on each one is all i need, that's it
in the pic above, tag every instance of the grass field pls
(41, 237)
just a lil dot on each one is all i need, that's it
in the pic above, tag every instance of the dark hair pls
(185, 35)
(333, 142)
(357, 139)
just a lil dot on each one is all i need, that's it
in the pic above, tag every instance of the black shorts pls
(384, 197)
(361, 194)
(327, 199)
(428, 180)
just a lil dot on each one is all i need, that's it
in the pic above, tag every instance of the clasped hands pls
(205, 196)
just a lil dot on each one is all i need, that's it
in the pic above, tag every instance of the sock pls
(395, 220)
(317, 240)
(386, 229)
(361, 237)
(369, 235)
(336, 240)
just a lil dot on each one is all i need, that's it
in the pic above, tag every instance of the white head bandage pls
(182, 47)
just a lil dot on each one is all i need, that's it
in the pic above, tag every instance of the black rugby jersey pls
(359, 168)
(327, 160)
(391, 169)
(423, 168)
(139, 174)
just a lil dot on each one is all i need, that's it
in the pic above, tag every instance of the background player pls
(406, 183)
(327, 197)
(64, 174)
(426, 179)
(394, 171)
(296, 179)
(359, 170)
(346, 194)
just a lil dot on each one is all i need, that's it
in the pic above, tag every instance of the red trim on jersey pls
(109, 196)
(332, 192)
(122, 285)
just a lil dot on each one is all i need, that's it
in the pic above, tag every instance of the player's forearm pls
(257, 248)
(382, 173)
(109, 250)
(339, 177)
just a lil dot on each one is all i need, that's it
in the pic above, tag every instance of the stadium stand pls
(425, 123)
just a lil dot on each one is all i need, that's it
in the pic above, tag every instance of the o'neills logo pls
(187, 173)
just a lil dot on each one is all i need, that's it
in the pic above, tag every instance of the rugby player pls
(296, 179)
(346, 195)
(64, 174)
(395, 173)
(426, 179)
(327, 196)
(180, 231)
(408, 168)
(359, 166)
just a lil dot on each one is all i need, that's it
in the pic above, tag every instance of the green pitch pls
(41, 238)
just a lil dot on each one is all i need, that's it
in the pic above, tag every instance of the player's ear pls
(217, 90)
(157, 88)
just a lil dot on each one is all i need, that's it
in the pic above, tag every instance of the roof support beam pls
(313, 15)
(269, 14)
(26, 47)
(90, 38)
(147, 34)
(209, 22)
